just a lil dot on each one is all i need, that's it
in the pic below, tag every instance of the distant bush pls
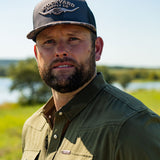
(146, 74)
(124, 75)
(124, 80)
(153, 76)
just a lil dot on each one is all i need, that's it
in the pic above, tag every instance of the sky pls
(130, 30)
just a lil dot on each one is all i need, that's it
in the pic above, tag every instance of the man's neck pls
(61, 99)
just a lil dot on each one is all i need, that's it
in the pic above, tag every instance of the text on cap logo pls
(58, 7)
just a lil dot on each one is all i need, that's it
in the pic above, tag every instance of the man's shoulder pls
(116, 108)
(36, 120)
(118, 105)
(123, 98)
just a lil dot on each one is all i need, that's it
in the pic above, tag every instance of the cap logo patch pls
(58, 7)
(57, 11)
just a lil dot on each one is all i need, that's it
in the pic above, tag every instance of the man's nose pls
(62, 49)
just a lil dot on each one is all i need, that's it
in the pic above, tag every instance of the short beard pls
(83, 73)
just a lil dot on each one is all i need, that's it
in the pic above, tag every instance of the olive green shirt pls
(100, 123)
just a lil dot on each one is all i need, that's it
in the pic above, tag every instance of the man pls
(86, 118)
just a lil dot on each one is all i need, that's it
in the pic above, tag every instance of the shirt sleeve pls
(139, 138)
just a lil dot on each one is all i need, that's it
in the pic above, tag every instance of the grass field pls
(12, 118)
(151, 98)
(11, 122)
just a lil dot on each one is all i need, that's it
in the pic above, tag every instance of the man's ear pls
(98, 48)
(35, 51)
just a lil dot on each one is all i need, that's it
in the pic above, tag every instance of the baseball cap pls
(53, 12)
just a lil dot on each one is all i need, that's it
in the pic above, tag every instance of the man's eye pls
(49, 42)
(73, 39)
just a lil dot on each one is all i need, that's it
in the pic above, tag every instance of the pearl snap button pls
(55, 136)
(60, 113)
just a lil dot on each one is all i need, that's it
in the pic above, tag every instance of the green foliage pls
(154, 76)
(107, 75)
(122, 77)
(146, 74)
(140, 73)
(124, 80)
(27, 80)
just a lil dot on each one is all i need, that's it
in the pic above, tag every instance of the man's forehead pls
(64, 28)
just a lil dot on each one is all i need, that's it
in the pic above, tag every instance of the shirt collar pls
(78, 103)
(85, 96)
(48, 111)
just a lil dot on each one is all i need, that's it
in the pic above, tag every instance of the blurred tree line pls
(26, 79)
(3, 72)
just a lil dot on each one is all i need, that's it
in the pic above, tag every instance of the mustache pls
(60, 60)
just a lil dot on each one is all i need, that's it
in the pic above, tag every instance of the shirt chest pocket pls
(73, 150)
(30, 155)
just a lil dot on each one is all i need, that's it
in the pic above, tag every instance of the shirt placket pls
(59, 124)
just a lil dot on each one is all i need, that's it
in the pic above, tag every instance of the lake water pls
(140, 85)
(7, 96)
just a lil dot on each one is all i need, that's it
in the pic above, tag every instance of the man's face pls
(65, 56)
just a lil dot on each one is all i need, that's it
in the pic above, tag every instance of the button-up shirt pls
(100, 123)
